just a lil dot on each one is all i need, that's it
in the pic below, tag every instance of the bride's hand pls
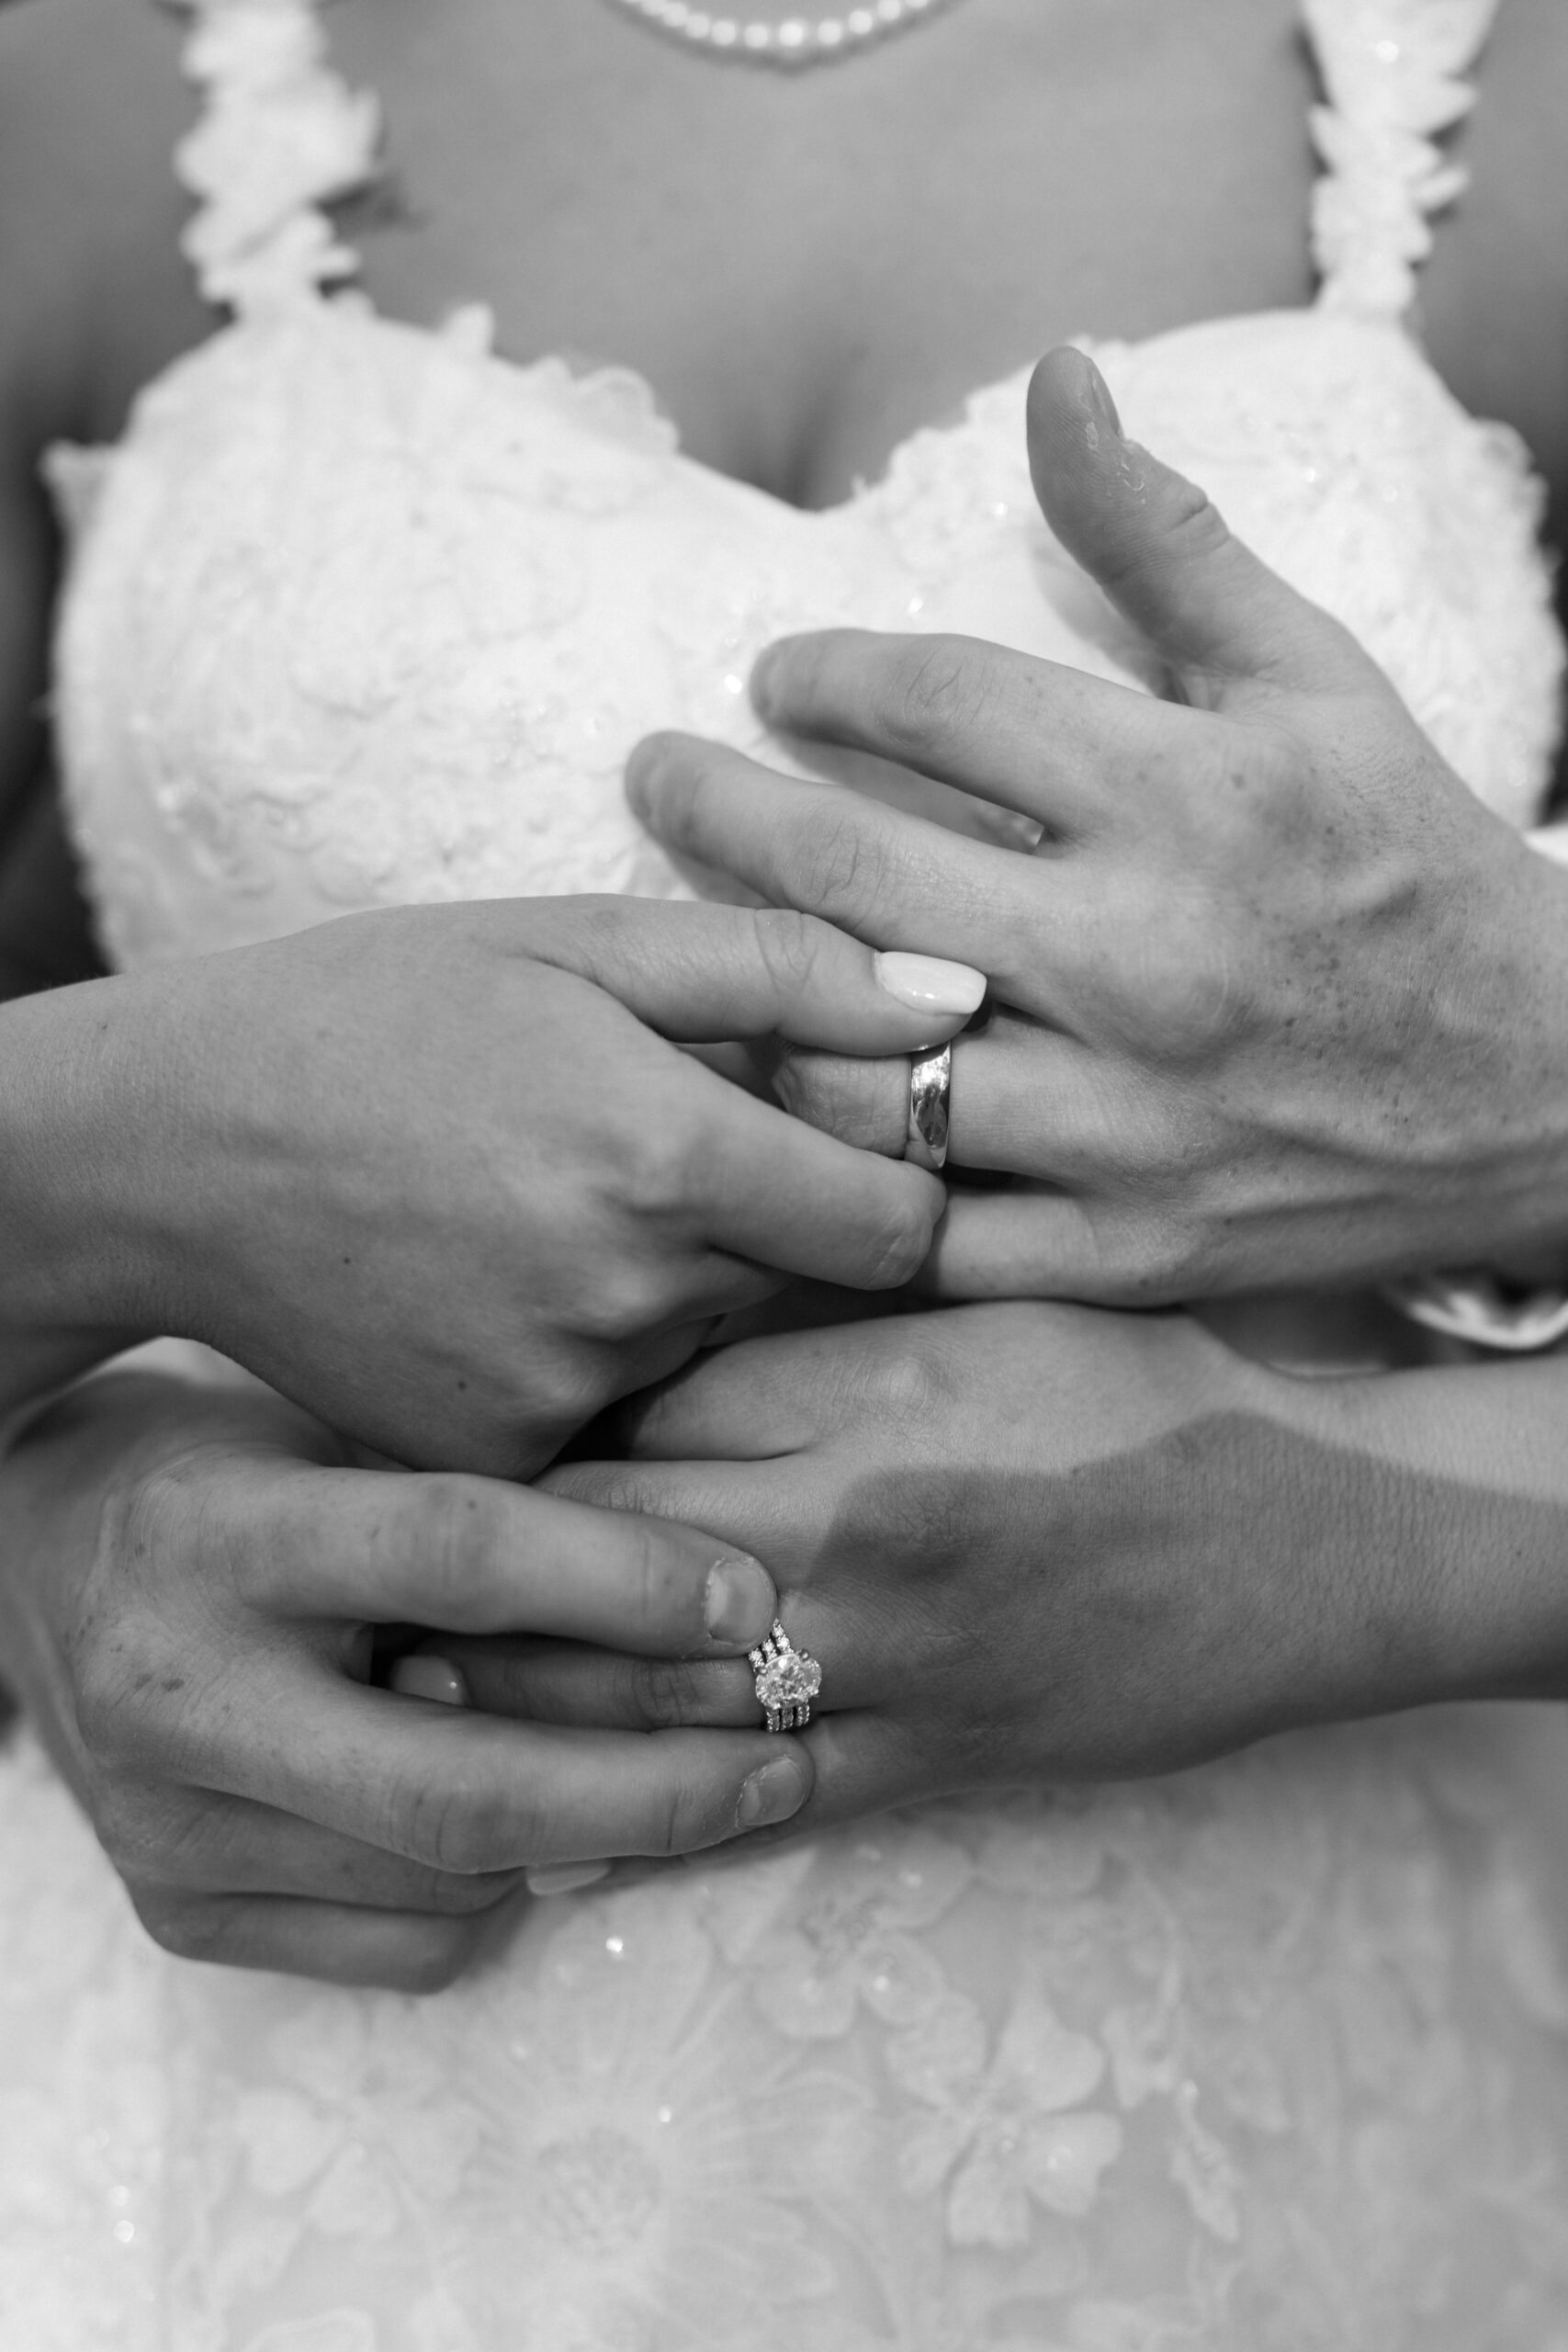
(1037, 1544)
(189, 1581)
(1025, 1543)
(440, 1173)
(1280, 1003)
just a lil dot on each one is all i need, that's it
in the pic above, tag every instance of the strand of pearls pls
(791, 41)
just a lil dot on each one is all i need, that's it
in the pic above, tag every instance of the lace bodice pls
(1273, 2055)
(362, 614)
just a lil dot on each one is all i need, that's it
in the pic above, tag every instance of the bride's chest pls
(360, 615)
(808, 267)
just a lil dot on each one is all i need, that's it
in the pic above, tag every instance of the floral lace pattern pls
(361, 615)
(1267, 2058)
(1271, 2056)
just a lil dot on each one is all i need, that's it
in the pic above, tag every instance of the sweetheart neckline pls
(470, 330)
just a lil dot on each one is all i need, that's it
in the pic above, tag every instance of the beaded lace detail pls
(1393, 76)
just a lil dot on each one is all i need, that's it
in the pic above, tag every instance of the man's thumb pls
(1162, 551)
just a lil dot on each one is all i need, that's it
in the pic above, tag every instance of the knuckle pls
(660, 1597)
(580, 1386)
(466, 1832)
(683, 1820)
(936, 688)
(1192, 989)
(905, 1389)
(791, 945)
(660, 1160)
(431, 1960)
(663, 1692)
(153, 1835)
(1154, 1258)
(609, 1485)
(187, 1926)
(842, 867)
(895, 1248)
(844, 1097)
(1193, 525)
(458, 1535)
(626, 1299)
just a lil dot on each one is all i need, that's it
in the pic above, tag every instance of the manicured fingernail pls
(429, 1678)
(930, 983)
(564, 1878)
(772, 1794)
(740, 1601)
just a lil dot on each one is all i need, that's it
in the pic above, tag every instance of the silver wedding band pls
(931, 1100)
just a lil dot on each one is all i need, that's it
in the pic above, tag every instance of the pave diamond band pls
(787, 1680)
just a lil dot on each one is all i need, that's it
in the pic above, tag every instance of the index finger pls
(1054, 743)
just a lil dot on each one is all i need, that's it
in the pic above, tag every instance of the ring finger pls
(1024, 1100)
(566, 1682)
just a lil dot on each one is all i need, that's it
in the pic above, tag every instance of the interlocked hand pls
(1028, 1542)
(1278, 1001)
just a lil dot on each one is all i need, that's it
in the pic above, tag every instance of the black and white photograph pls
(784, 1176)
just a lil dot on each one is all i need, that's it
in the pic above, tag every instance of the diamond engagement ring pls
(931, 1097)
(786, 1681)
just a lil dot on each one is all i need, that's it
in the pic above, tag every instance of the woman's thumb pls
(1162, 551)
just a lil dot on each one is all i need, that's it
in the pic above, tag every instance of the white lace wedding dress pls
(1271, 2057)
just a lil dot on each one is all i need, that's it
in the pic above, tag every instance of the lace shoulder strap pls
(1393, 76)
(280, 135)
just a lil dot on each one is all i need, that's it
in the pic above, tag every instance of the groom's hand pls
(1278, 1000)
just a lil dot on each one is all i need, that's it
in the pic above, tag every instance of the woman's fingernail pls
(564, 1878)
(771, 1794)
(930, 983)
(429, 1678)
(740, 1601)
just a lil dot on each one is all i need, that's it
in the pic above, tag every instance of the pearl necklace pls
(793, 42)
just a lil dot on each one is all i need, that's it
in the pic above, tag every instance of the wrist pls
(90, 1171)
(1513, 1215)
(1439, 1508)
